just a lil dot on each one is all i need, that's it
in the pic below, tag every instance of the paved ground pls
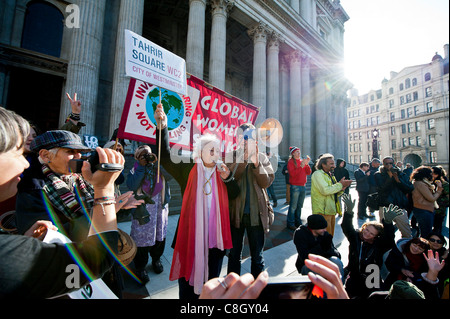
(279, 260)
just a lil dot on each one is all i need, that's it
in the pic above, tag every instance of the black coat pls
(362, 181)
(306, 243)
(391, 192)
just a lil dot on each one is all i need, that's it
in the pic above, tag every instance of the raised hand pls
(349, 203)
(391, 212)
(74, 103)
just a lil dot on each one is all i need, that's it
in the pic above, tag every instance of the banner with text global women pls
(205, 109)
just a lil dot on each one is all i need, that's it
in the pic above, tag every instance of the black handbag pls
(373, 201)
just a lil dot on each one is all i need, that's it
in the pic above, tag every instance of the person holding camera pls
(149, 220)
(251, 210)
(393, 187)
(30, 268)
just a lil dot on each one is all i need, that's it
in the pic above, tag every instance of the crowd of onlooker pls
(53, 187)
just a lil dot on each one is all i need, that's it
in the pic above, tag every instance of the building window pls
(411, 140)
(407, 83)
(369, 146)
(428, 92)
(403, 128)
(392, 117)
(351, 148)
(431, 124)
(391, 90)
(433, 157)
(402, 100)
(429, 107)
(401, 86)
(432, 140)
(414, 82)
(404, 142)
(43, 29)
(391, 104)
(416, 110)
(415, 96)
(393, 144)
(418, 140)
(427, 76)
(409, 112)
(410, 127)
(402, 114)
(417, 126)
(392, 130)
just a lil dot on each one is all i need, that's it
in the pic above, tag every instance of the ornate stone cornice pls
(32, 60)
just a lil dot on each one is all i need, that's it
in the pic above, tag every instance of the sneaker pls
(157, 266)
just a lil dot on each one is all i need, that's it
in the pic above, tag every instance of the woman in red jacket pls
(298, 170)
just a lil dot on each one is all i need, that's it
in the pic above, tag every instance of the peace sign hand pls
(76, 105)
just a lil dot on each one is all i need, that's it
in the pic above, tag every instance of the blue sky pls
(388, 35)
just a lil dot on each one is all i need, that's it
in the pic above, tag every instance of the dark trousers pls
(215, 260)
(362, 203)
(271, 193)
(155, 251)
(256, 240)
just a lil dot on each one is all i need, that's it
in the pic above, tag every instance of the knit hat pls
(316, 221)
(292, 149)
(58, 138)
(402, 289)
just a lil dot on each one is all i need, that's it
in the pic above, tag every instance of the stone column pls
(330, 113)
(196, 38)
(284, 106)
(259, 36)
(131, 17)
(306, 106)
(320, 114)
(217, 60)
(295, 4)
(84, 63)
(306, 11)
(295, 134)
(273, 77)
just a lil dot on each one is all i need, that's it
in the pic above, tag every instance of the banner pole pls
(159, 142)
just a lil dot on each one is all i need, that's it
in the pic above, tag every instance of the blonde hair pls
(14, 130)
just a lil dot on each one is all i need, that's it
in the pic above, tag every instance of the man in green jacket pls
(325, 191)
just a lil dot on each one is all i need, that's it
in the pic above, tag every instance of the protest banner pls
(148, 62)
(205, 109)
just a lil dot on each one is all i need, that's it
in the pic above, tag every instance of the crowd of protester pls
(52, 188)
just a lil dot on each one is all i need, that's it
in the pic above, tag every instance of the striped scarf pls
(66, 192)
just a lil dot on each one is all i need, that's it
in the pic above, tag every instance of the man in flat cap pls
(313, 238)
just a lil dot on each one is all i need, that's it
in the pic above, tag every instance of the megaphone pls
(270, 132)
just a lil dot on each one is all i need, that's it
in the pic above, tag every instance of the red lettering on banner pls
(141, 90)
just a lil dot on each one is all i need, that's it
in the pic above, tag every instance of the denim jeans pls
(298, 194)
(256, 240)
(425, 219)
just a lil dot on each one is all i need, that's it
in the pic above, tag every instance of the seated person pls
(314, 239)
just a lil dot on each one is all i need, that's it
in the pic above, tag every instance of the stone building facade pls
(284, 56)
(411, 114)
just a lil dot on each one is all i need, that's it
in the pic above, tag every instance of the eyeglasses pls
(435, 241)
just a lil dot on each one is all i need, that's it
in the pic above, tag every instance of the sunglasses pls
(435, 241)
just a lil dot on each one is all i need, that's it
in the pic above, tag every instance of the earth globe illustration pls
(172, 104)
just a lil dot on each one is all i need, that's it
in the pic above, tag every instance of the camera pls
(150, 158)
(395, 170)
(298, 287)
(140, 213)
(75, 165)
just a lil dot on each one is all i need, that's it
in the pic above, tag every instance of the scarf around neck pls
(200, 229)
(66, 192)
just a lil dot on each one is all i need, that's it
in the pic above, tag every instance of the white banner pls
(148, 62)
